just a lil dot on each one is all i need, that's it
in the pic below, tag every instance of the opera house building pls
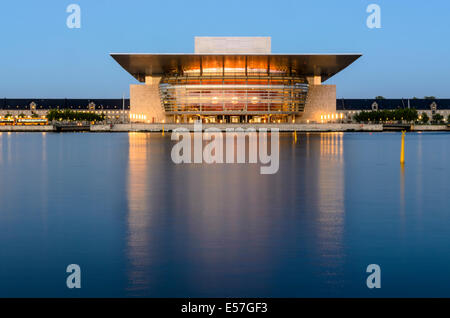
(232, 80)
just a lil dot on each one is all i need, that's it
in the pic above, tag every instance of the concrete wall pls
(145, 101)
(429, 128)
(321, 100)
(259, 45)
(43, 128)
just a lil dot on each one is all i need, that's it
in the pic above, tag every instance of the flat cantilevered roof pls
(324, 65)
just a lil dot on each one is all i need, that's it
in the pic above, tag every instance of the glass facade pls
(234, 88)
(216, 93)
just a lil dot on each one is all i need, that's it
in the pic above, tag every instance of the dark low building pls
(349, 107)
(64, 103)
(116, 110)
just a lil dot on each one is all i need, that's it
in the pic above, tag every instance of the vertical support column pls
(246, 71)
(314, 80)
(223, 94)
(201, 66)
(200, 97)
(246, 93)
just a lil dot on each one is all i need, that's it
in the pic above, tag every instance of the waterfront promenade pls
(223, 127)
(282, 127)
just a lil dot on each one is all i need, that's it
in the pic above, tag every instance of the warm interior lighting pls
(214, 90)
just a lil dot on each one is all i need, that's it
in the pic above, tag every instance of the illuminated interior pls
(233, 94)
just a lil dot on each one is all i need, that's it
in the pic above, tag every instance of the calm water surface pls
(139, 225)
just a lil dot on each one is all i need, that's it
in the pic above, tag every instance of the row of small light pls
(138, 116)
(331, 117)
(24, 117)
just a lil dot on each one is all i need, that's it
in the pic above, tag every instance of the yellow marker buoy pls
(402, 150)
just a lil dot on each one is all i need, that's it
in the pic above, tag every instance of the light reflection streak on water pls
(1, 148)
(9, 152)
(138, 219)
(330, 219)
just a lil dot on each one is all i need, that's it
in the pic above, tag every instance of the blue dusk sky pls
(41, 57)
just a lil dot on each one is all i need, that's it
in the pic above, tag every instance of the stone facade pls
(145, 102)
(321, 100)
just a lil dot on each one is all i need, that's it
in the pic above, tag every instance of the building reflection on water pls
(188, 223)
(215, 229)
(1, 148)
